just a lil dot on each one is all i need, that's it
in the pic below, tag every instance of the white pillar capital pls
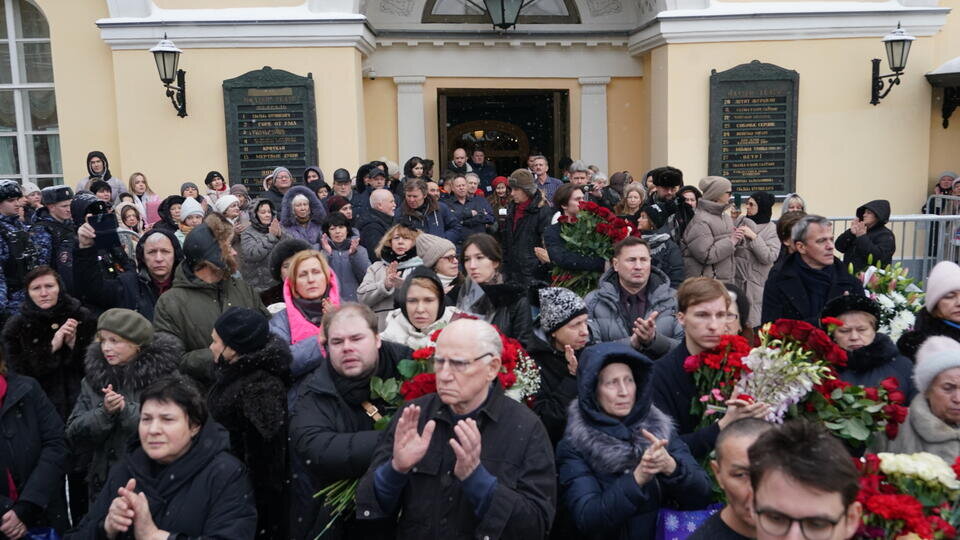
(411, 128)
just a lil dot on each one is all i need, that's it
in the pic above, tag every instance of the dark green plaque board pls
(753, 127)
(271, 121)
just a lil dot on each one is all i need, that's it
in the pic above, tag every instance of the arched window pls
(535, 12)
(29, 130)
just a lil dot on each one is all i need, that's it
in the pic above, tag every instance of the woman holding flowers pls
(941, 316)
(871, 355)
(422, 310)
(933, 421)
(556, 250)
(621, 459)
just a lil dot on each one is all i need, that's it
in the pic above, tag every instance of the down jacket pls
(708, 243)
(598, 453)
(926, 325)
(256, 244)
(203, 494)
(335, 439)
(754, 259)
(188, 311)
(313, 228)
(603, 306)
(35, 452)
(90, 428)
(27, 349)
(878, 244)
(520, 264)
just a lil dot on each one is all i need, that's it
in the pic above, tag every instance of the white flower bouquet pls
(899, 297)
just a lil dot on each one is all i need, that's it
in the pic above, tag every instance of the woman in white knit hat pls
(933, 423)
(941, 313)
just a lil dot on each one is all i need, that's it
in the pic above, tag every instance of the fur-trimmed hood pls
(317, 210)
(153, 361)
(607, 454)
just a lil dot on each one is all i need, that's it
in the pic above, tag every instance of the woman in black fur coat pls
(48, 338)
(126, 359)
(249, 399)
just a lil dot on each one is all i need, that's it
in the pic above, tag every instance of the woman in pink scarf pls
(309, 291)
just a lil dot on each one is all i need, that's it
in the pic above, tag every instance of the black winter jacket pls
(167, 223)
(926, 325)
(520, 263)
(557, 386)
(35, 452)
(204, 494)
(336, 439)
(869, 365)
(503, 305)
(249, 400)
(131, 290)
(785, 297)
(372, 229)
(878, 241)
(673, 393)
(516, 450)
(26, 347)
(562, 256)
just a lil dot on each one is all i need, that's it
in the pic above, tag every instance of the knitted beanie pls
(430, 248)
(335, 203)
(185, 185)
(713, 187)
(224, 202)
(210, 177)
(936, 355)
(243, 330)
(30, 187)
(944, 278)
(127, 324)
(558, 306)
(523, 179)
(189, 208)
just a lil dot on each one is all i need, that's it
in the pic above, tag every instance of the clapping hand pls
(275, 228)
(857, 227)
(112, 401)
(541, 254)
(738, 408)
(144, 527)
(65, 335)
(645, 330)
(409, 447)
(467, 448)
(392, 279)
(354, 244)
(656, 460)
(325, 243)
(571, 358)
(120, 515)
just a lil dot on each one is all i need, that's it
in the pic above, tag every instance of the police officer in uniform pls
(54, 233)
(18, 254)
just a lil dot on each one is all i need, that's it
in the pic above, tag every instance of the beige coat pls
(753, 260)
(922, 432)
(373, 290)
(708, 243)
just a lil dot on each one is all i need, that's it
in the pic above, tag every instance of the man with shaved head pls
(467, 461)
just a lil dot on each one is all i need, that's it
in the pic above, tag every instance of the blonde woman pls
(397, 255)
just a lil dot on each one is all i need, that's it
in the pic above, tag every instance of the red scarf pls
(519, 211)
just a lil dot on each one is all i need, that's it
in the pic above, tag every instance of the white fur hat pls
(936, 355)
(944, 277)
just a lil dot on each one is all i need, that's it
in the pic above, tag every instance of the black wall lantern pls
(166, 55)
(897, 44)
(503, 13)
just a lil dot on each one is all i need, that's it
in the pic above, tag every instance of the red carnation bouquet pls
(908, 496)
(592, 233)
(793, 369)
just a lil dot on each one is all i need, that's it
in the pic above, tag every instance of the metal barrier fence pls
(923, 240)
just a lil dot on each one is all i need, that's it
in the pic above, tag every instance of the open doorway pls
(508, 125)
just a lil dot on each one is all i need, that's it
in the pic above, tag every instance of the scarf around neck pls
(301, 327)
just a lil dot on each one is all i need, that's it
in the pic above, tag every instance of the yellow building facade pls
(623, 85)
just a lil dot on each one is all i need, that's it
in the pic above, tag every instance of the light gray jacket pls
(603, 307)
(922, 432)
(753, 260)
(708, 243)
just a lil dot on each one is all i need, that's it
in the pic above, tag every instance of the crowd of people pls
(200, 364)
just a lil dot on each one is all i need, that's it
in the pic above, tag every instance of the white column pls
(593, 121)
(411, 132)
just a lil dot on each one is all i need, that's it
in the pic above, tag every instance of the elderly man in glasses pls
(466, 462)
(804, 484)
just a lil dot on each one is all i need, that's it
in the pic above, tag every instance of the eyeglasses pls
(813, 528)
(450, 258)
(457, 366)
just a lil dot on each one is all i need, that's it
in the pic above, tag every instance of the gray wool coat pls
(922, 432)
(708, 243)
(753, 260)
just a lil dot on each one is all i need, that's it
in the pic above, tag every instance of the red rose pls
(831, 321)
(871, 393)
(746, 397)
(507, 380)
(425, 353)
(589, 206)
(420, 385)
(691, 364)
(897, 396)
(890, 384)
(956, 467)
(836, 356)
(872, 463)
(892, 430)
(435, 334)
